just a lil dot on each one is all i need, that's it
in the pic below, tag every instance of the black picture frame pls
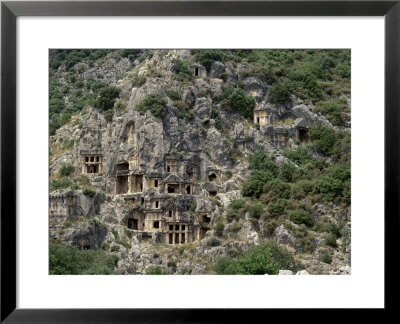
(10, 10)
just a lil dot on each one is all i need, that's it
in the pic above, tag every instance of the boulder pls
(283, 236)
(217, 68)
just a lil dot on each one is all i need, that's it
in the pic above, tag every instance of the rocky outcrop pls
(283, 236)
(165, 181)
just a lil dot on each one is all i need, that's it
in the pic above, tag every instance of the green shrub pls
(278, 188)
(236, 209)
(261, 161)
(84, 180)
(208, 57)
(254, 184)
(264, 73)
(331, 240)
(335, 112)
(107, 97)
(60, 184)
(237, 204)
(329, 188)
(227, 90)
(298, 155)
(256, 210)
(154, 103)
(275, 209)
(137, 81)
(340, 172)
(268, 258)
(301, 189)
(286, 171)
(303, 81)
(192, 206)
(89, 192)
(228, 174)
(182, 70)
(219, 229)
(224, 266)
(56, 105)
(213, 241)
(335, 229)
(242, 103)
(131, 54)
(323, 138)
(115, 248)
(325, 257)
(55, 64)
(302, 217)
(173, 95)
(69, 260)
(278, 93)
(66, 170)
(344, 70)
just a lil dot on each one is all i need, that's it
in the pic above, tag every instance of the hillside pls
(199, 161)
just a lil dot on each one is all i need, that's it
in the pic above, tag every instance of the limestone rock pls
(283, 236)
(254, 87)
(217, 68)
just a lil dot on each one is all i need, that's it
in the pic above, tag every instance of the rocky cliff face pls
(151, 187)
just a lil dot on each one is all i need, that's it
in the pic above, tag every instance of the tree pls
(302, 217)
(66, 170)
(254, 184)
(154, 103)
(323, 138)
(256, 210)
(278, 188)
(267, 258)
(106, 98)
(329, 188)
(278, 93)
(242, 103)
(261, 161)
(209, 56)
(287, 171)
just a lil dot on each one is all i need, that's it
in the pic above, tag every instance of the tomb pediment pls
(173, 178)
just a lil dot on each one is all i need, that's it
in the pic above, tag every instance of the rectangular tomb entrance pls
(304, 135)
(91, 164)
(122, 185)
(133, 224)
(173, 188)
(136, 183)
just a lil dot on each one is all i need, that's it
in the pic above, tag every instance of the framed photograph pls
(163, 158)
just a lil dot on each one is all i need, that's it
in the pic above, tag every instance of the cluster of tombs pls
(161, 202)
(280, 135)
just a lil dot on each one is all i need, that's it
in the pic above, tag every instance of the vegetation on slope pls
(69, 260)
(267, 258)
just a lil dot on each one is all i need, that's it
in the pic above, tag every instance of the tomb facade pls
(91, 163)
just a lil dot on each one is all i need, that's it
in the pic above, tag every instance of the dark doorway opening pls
(133, 224)
(212, 177)
(304, 135)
